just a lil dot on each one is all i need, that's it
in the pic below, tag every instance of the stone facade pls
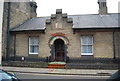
(117, 44)
(103, 44)
(59, 30)
(102, 40)
(19, 12)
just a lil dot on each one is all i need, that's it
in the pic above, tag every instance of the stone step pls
(56, 65)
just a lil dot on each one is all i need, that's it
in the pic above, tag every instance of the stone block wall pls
(102, 46)
(19, 13)
(117, 44)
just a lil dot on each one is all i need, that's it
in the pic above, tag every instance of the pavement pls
(91, 72)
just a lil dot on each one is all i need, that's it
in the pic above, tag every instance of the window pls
(87, 45)
(33, 45)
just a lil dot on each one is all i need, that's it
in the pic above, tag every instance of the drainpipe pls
(114, 44)
(8, 33)
(14, 47)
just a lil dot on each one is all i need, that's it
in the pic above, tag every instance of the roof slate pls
(79, 21)
(36, 23)
(95, 21)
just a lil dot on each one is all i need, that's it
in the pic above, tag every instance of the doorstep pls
(56, 65)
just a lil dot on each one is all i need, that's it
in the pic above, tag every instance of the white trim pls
(32, 53)
(86, 44)
(33, 45)
(86, 53)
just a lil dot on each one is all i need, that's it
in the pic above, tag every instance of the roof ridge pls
(86, 21)
(92, 14)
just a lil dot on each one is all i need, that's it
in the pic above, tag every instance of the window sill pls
(33, 53)
(87, 57)
(87, 54)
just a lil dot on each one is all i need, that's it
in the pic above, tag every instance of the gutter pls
(8, 33)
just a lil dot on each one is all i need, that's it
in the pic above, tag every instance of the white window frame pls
(34, 44)
(87, 44)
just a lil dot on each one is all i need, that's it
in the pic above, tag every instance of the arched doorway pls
(59, 46)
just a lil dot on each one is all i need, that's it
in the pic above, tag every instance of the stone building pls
(66, 38)
(15, 13)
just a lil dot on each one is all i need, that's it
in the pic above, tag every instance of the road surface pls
(53, 77)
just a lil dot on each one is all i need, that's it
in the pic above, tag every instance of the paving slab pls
(61, 71)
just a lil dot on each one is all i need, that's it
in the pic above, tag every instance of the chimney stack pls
(102, 7)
